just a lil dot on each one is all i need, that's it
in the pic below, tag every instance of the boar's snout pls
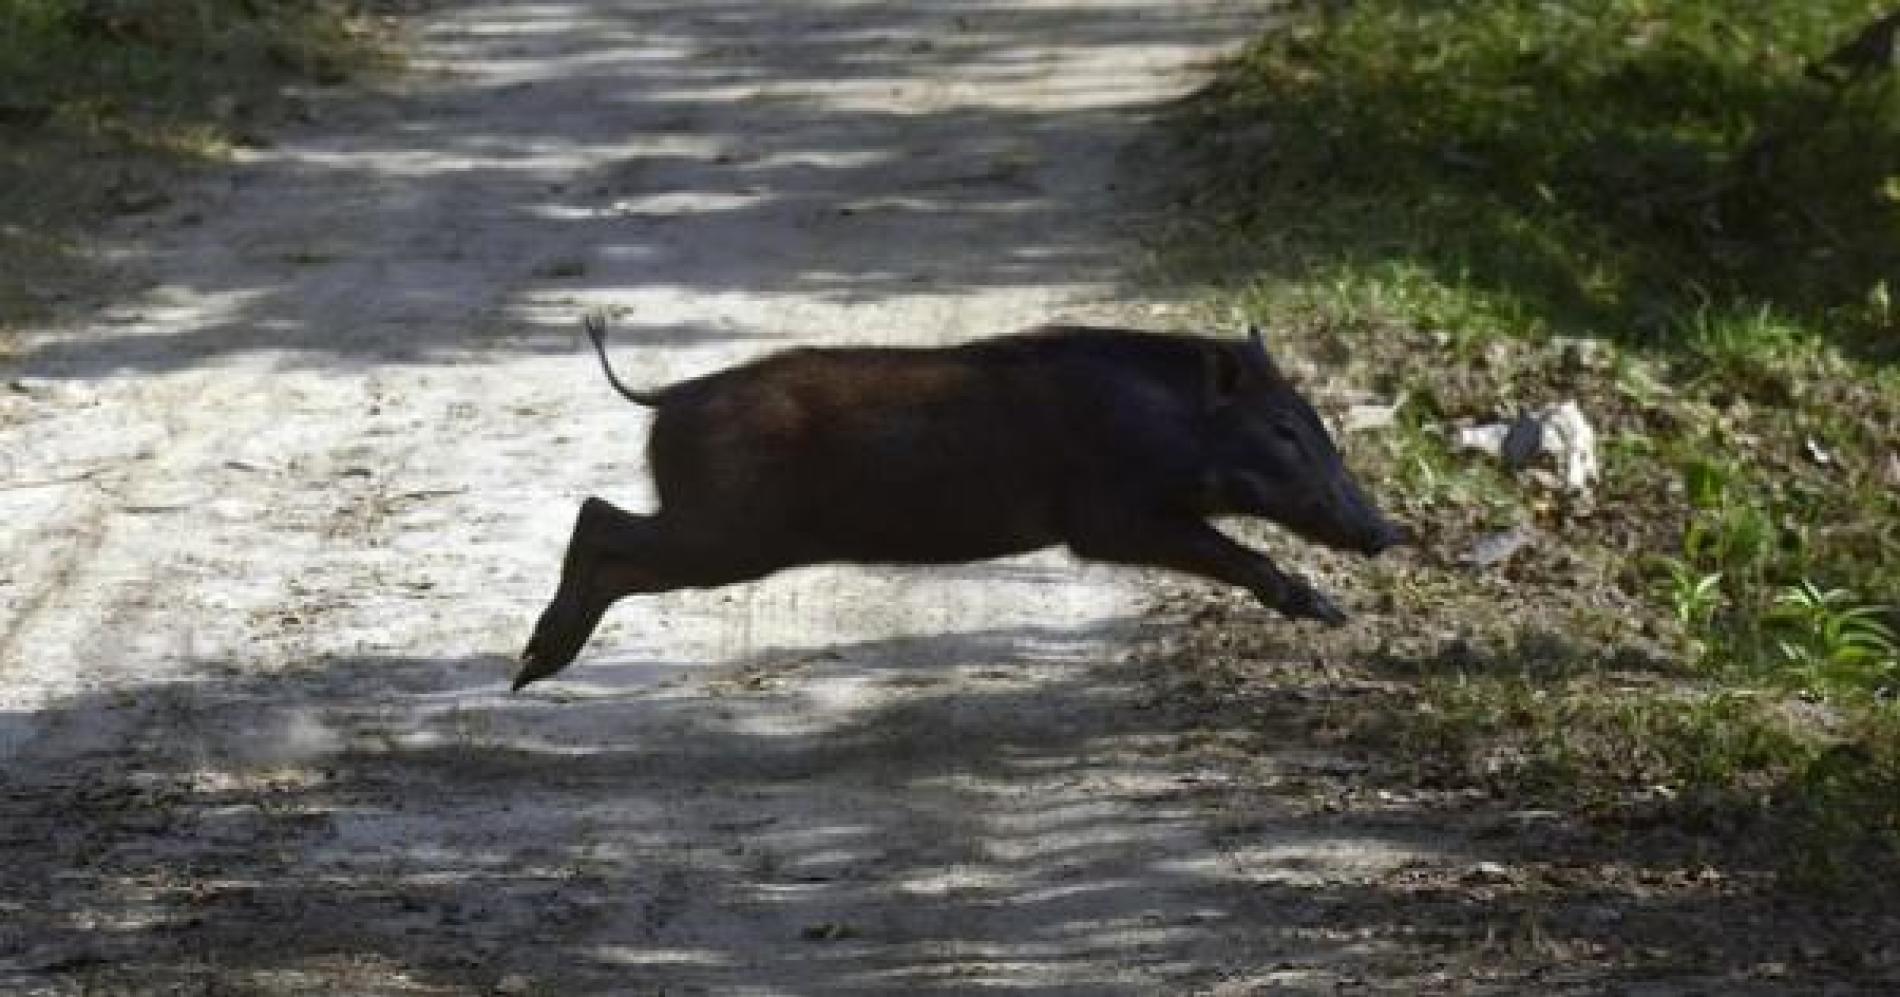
(1371, 536)
(1387, 534)
(1357, 524)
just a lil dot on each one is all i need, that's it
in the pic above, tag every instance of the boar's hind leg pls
(614, 553)
(1193, 547)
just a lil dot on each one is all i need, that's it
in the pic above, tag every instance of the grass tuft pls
(1808, 791)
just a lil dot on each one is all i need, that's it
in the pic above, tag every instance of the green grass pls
(101, 96)
(1604, 168)
(1810, 792)
(1445, 193)
(166, 73)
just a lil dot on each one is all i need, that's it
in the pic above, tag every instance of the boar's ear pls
(1234, 368)
(1259, 363)
(1226, 371)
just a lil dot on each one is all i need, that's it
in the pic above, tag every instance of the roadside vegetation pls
(102, 99)
(1686, 218)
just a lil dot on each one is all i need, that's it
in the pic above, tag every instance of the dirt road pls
(277, 518)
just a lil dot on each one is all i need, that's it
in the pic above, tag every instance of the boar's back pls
(936, 454)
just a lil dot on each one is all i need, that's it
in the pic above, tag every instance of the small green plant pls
(1737, 537)
(1694, 596)
(1827, 642)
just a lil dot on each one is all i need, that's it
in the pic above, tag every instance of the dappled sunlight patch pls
(427, 159)
(524, 166)
(683, 204)
(1311, 859)
(1055, 819)
(162, 309)
(629, 955)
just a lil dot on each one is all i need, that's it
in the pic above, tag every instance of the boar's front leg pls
(1189, 545)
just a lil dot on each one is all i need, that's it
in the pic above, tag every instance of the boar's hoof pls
(556, 642)
(1304, 602)
(534, 667)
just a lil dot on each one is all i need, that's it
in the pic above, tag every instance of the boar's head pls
(1272, 457)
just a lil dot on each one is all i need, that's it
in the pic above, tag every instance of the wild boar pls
(1114, 442)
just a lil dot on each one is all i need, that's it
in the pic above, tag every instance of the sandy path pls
(254, 731)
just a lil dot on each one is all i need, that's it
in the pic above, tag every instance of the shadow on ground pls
(791, 152)
(1001, 812)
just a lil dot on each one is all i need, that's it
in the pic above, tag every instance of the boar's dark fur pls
(1117, 443)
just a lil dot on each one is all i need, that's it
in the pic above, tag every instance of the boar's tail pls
(596, 326)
